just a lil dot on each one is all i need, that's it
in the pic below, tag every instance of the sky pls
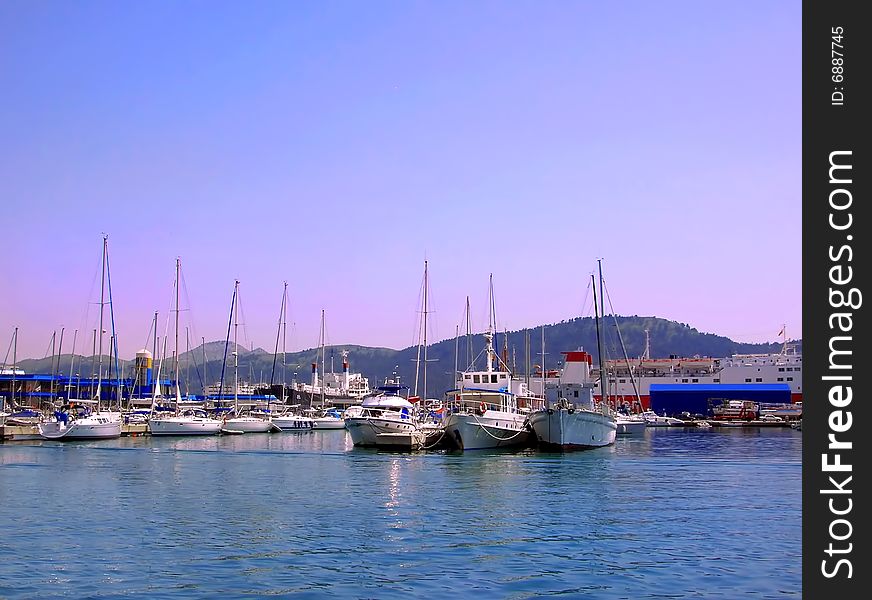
(337, 145)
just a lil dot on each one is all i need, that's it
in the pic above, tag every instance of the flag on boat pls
(782, 330)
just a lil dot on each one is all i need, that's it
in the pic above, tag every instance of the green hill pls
(666, 338)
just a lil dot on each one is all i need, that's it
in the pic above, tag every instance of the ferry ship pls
(625, 380)
(335, 389)
(784, 367)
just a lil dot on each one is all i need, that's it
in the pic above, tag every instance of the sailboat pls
(83, 419)
(287, 420)
(191, 421)
(326, 416)
(488, 408)
(582, 422)
(238, 422)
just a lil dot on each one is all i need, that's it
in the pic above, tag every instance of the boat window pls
(759, 379)
(475, 379)
(748, 380)
(781, 369)
(796, 369)
(502, 376)
(622, 381)
(695, 381)
(781, 379)
(467, 377)
(717, 380)
(789, 368)
(684, 381)
(790, 379)
(576, 393)
(493, 378)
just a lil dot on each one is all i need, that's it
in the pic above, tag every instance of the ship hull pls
(493, 429)
(573, 429)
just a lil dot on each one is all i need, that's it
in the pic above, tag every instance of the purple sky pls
(335, 145)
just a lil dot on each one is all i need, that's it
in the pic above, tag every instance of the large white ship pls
(335, 389)
(627, 378)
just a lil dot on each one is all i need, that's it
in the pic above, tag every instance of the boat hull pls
(631, 426)
(82, 429)
(493, 429)
(294, 423)
(248, 425)
(182, 426)
(328, 423)
(374, 432)
(573, 429)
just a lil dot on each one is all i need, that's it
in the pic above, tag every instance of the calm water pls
(673, 514)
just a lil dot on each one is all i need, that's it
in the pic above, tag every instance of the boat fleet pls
(489, 406)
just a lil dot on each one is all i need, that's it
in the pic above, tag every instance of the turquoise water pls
(672, 514)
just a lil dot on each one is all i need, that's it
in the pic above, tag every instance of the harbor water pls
(670, 514)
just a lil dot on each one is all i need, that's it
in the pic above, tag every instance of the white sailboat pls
(287, 420)
(489, 408)
(191, 421)
(325, 417)
(84, 418)
(238, 422)
(581, 423)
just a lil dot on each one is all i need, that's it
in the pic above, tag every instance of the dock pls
(12, 433)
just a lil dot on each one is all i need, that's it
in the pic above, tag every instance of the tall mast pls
(204, 366)
(468, 336)
(424, 392)
(602, 302)
(176, 348)
(72, 359)
(456, 350)
(236, 348)
(284, 339)
(52, 384)
(323, 359)
(599, 345)
(188, 362)
(102, 304)
(14, 362)
(543, 364)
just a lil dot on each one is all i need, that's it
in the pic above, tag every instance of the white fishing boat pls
(576, 425)
(582, 422)
(179, 421)
(327, 419)
(386, 420)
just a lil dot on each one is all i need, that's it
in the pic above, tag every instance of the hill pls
(257, 365)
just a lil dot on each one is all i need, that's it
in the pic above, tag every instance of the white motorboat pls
(328, 418)
(652, 419)
(630, 424)
(386, 420)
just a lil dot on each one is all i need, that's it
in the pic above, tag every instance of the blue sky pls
(335, 145)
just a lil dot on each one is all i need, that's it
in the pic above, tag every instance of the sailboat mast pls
(204, 366)
(424, 379)
(284, 339)
(468, 336)
(14, 362)
(52, 384)
(176, 348)
(599, 344)
(323, 359)
(72, 359)
(236, 348)
(102, 304)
